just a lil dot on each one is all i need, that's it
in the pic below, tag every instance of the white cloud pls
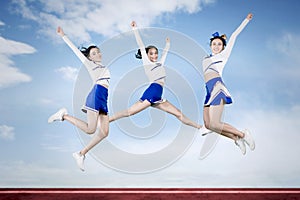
(25, 10)
(46, 101)
(79, 18)
(287, 44)
(29, 174)
(284, 68)
(275, 133)
(2, 23)
(68, 73)
(7, 132)
(10, 75)
(276, 136)
(10, 47)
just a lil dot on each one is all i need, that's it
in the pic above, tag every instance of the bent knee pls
(91, 129)
(215, 126)
(207, 124)
(104, 130)
(105, 133)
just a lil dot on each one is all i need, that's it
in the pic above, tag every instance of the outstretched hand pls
(60, 31)
(133, 24)
(249, 16)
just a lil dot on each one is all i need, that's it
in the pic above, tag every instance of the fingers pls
(60, 31)
(133, 24)
(249, 16)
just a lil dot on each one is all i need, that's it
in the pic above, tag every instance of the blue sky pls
(39, 74)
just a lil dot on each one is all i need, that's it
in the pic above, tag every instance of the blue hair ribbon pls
(216, 34)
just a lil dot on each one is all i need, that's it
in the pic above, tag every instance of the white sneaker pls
(58, 116)
(249, 140)
(79, 160)
(240, 143)
(204, 131)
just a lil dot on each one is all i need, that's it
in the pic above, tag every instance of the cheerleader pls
(217, 94)
(152, 96)
(96, 101)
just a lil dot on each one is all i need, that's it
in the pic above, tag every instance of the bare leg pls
(206, 117)
(88, 127)
(207, 123)
(135, 108)
(100, 135)
(212, 119)
(170, 108)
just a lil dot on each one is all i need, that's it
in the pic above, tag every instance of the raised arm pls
(137, 35)
(77, 52)
(165, 51)
(234, 35)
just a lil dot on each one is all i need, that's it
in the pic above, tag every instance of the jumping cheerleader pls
(156, 74)
(96, 101)
(217, 94)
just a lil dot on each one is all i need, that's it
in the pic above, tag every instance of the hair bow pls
(216, 34)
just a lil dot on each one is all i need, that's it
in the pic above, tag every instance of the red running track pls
(149, 193)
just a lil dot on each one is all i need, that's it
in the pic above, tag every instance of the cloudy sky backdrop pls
(39, 74)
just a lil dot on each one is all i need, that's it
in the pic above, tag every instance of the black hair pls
(222, 38)
(86, 51)
(138, 55)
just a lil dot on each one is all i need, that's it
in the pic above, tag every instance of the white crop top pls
(98, 72)
(216, 63)
(155, 71)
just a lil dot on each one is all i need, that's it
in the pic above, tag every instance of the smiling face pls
(152, 54)
(95, 55)
(216, 46)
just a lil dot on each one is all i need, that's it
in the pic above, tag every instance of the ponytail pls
(86, 51)
(138, 55)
